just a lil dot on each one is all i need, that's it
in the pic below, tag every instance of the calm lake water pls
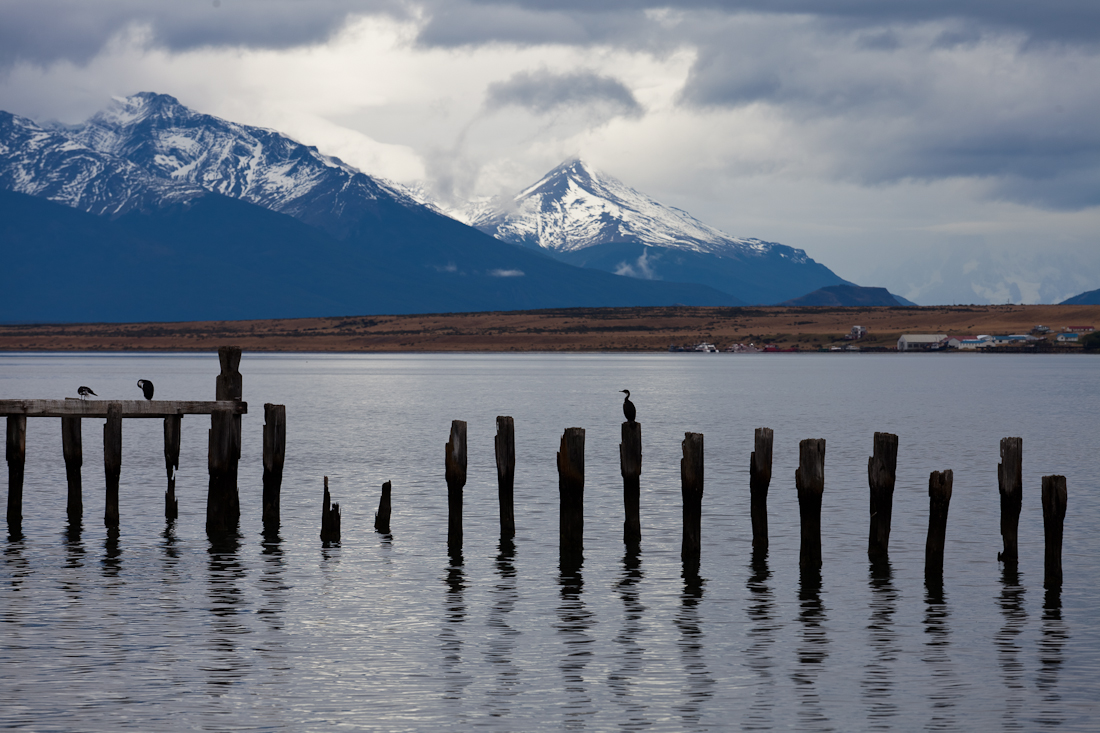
(156, 629)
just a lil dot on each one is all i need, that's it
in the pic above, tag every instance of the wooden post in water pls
(16, 453)
(274, 454)
(571, 493)
(172, 425)
(223, 506)
(760, 478)
(330, 518)
(630, 465)
(1054, 513)
(1010, 480)
(72, 450)
(691, 488)
(939, 501)
(455, 465)
(506, 474)
(809, 479)
(382, 517)
(112, 461)
(881, 470)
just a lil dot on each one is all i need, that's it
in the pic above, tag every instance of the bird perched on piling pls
(146, 388)
(628, 407)
(85, 391)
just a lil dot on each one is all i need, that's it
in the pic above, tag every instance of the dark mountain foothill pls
(847, 296)
(1092, 297)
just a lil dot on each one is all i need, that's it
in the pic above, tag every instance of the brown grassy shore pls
(573, 329)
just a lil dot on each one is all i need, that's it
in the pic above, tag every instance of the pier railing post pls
(505, 443)
(630, 465)
(16, 453)
(1010, 483)
(455, 465)
(172, 425)
(881, 470)
(223, 505)
(760, 478)
(939, 501)
(809, 479)
(691, 488)
(1054, 514)
(274, 455)
(72, 450)
(571, 493)
(112, 461)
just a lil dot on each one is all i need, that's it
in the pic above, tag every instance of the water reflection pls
(700, 684)
(502, 636)
(574, 623)
(227, 665)
(17, 565)
(761, 634)
(455, 681)
(945, 691)
(813, 650)
(1008, 648)
(630, 664)
(1054, 637)
(273, 587)
(112, 553)
(878, 682)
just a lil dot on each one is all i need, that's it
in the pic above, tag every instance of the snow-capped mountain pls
(587, 217)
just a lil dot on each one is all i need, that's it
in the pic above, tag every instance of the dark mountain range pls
(848, 296)
(1092, 297)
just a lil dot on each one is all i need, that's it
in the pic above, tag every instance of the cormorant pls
(146, 388)
(85, 391)
(628, 407)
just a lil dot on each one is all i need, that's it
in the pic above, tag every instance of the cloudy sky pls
(947, 150)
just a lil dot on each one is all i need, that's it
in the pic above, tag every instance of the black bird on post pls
(628, 407)
(85, 391)
(146, 388)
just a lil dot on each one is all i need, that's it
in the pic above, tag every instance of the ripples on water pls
(153, 627)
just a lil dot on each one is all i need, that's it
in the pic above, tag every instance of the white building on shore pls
(921, 341)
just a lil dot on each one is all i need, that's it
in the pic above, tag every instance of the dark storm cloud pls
(543, 91)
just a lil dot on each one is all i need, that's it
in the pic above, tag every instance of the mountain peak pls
(124, 111)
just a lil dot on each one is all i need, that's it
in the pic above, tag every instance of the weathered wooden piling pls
(1010, 480)
(112, 461)
(16, 453)
(881, 470)
(1054, 514)
(630, 465)
(571, 492)
(691, 488)
(382, 516)
(330, 518)
(809, 479)
(506, 474)
(939, 501)
(455, 464)
(760, 478)
(73, 451)
(223, 506)
(274, 454)
(172, 425)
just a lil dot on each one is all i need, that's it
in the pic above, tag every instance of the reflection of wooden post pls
(881, 470)
(809, 479)
(274, 454)
(382, 517)
(1010, 481)
(760, 478)
(506, 475)
(112, 461)
(330, 518)
(455, 465)
(1054, 513)
(72, 449)
(630, 465)
(939, 501)
(691, 488)
(571, 492)
(16, 453)
(171, 463)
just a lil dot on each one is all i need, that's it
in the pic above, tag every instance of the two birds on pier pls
(145, 384)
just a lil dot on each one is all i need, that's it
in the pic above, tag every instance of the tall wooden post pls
(330, 518)
(1010, 480)
(630, 465)
(223, 505)
(691, 488)
(571, 493)
(760, 478)
(382, 516)
(172, 425)
(809, 479)
(455, 464)
(112, 461)
(274, 454)
(939, 501)
(72, 449)
(16, 453)
(881, 470)
(1054, 513)
(506, 474)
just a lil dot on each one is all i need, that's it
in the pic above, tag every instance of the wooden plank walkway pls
(72, 407)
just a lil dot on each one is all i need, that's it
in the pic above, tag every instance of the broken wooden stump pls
(881, 470)
(172, 425)
(455, 467)
(330, 518)
(382, 516)
(760, 478)
(16, 453)
(72, 450)
(1054, 514)
(691, 488)
(939, 501)
(112, 461)
(1010, 481)
(571, 493)
(809, 479)
(505, 443)
(274, 455)
(630, 465)
(222, 506)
